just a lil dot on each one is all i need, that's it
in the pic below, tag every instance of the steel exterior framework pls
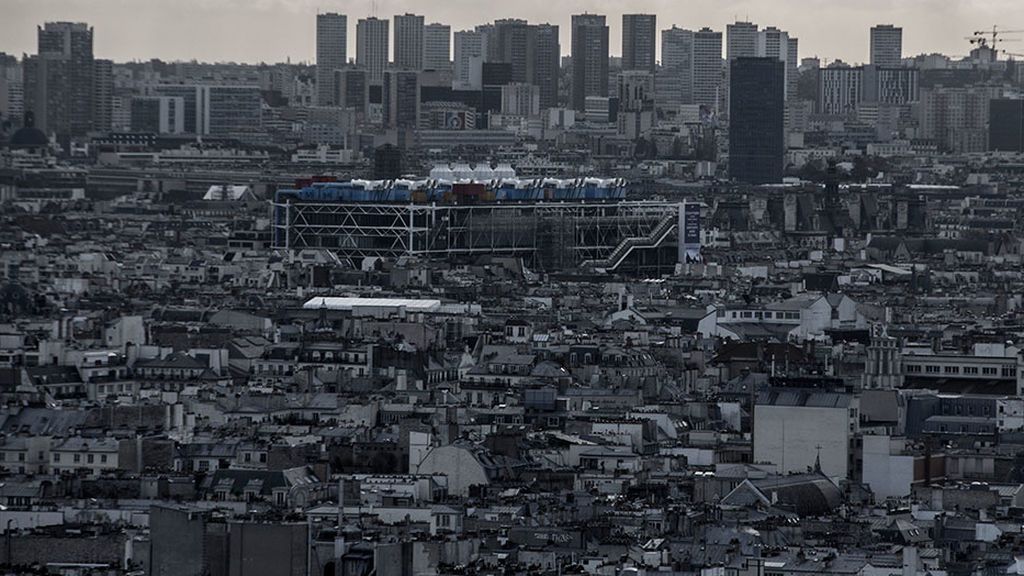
(554, 234)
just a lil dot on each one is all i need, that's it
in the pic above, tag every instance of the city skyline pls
(393, 288)
(192, 29)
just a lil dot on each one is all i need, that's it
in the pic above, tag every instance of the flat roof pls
(333, 303)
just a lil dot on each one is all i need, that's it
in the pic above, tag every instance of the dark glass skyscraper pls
(546, 63)
(639, 33)
(103, 95)
(1006, 125)
(401, 95)
(533, 51)
(353, 88)
(511, 43)
(589, 58)
(757, 112)
(59, 80)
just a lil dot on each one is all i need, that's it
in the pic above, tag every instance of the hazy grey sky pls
(273, 30)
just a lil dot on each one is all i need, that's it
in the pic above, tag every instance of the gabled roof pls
(49, 374)
(262, 481)
(43, 421)
(806, 494)
(548, 369)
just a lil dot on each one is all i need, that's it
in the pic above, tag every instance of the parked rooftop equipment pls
(423, 190)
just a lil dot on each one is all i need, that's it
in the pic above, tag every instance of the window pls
(21, 456)
(56, 457)
(78, 458)
(90, 458)
(103, 458)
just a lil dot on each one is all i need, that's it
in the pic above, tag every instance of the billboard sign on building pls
(689, 237)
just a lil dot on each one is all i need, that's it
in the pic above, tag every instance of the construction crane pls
(992, 38)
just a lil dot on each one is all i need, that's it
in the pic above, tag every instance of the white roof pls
(890, 269)
(441, 172)
(332, 303)
(231, 192)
